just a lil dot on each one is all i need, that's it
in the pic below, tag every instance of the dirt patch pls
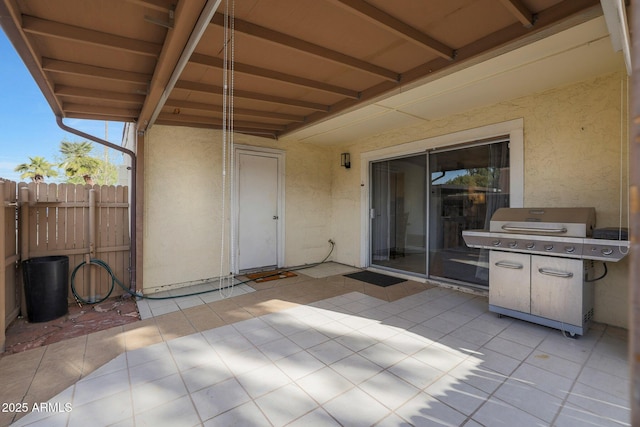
(81, 320)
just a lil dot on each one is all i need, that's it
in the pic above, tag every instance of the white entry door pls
(257, 207)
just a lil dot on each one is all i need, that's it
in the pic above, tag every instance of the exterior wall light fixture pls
(345, 160)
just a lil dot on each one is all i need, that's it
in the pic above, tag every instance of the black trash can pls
(46, 287)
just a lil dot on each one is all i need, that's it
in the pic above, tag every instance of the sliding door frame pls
(513, 130)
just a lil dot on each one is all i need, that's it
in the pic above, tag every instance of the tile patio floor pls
(325, 351)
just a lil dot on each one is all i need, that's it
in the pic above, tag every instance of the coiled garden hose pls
(114, 280)
(104, 265)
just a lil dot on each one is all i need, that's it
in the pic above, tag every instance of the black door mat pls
(375, 278)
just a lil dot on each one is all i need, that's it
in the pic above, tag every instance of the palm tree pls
(37, 170)
(76, 160)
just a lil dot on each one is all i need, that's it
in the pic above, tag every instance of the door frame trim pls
(279, 155)
(514, 129)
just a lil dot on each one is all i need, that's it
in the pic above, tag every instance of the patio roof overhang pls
(298, 63)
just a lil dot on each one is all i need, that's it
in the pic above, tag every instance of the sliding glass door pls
(398, 214)
(467, 186)
(421, 204)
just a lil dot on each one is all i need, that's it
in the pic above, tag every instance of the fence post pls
(24, 240)
(92, 244)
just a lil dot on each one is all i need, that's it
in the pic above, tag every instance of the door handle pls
(554, 273)
(507, 264)
(559, 230)
(275, 217)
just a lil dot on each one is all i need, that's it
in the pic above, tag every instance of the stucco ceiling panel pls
(550, 50)
(352, 128)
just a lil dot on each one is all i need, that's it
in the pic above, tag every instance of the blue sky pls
(27, 124)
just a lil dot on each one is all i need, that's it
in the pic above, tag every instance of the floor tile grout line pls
(35, 372)
(468, 356)
(565, 401)
(189, 393)
(508, 377)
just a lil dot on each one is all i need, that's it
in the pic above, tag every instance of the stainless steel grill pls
(564, 232)
(541, 264)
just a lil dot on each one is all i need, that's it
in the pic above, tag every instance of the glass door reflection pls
(467, 186)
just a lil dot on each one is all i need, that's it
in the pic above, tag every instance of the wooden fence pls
(10, 291)
(80, 221)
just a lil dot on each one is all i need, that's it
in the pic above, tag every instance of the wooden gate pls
(79, 221)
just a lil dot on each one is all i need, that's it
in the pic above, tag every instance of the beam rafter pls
(65, 67)
(46, 28)
(217, 90)
(184, 118)
(520, 11)
(212, 61)
(85, 93)
(159, 5)
(100, 117)
(300, 45)
(203, 106)
(127, 113)
(402, 29)
(246, 130)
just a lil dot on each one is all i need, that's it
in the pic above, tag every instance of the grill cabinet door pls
(509, 280)
(557, 289)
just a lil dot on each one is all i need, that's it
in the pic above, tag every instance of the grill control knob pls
(531, 245)
(513, 244)
(496, 242)
(548, 247)
(569, 249)
(607, 251)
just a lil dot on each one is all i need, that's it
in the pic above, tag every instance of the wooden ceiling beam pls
(99, 117)
(33, 25)
(520, 11)
(402, 29)
(174, 103)
(245, 130)
(186, 17)
(268, 115)
(185, 118)
(159, 5)
(101, 110)
(212, 61)
(217, 90)
(65, 67)
(290, 42)
(84, 93)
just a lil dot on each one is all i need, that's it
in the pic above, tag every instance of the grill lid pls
(566, 222)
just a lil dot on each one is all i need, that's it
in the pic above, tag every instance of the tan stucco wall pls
(572, 148)
(571, 158)
(183, 181)
(181, 216)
